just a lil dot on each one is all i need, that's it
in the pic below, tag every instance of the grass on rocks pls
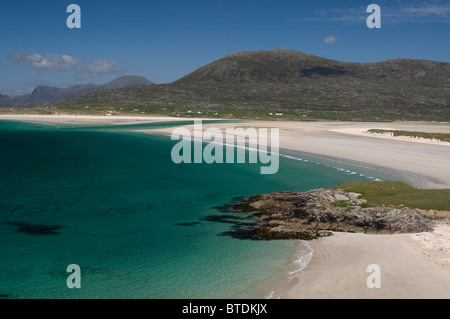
(399, 194)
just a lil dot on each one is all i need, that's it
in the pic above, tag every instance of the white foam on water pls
(303, 257)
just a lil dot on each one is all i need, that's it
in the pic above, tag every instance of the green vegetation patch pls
(437, 136)
(399, 194)
(341, 203)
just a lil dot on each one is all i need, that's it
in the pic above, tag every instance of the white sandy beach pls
(412, 265)
(87, 119)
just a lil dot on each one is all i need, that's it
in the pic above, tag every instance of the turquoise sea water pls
(138, 225)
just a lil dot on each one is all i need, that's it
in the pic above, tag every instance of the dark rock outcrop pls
(314, 214)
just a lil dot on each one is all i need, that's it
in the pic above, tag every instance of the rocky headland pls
(317, 213)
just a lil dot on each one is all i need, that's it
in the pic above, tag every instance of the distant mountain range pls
(295, 84)
(47, 94)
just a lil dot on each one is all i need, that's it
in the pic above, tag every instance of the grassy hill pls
(298, 85)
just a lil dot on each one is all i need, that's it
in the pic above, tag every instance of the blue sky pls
(164, 40)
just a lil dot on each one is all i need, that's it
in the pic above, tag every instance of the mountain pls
(46, 94)
(127, 80)
(52, 94)
(289, 66)
(273, 66)
(4, 99)
(298, 85)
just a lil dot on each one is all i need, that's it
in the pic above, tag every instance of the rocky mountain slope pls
(296, 84)
(46, 94)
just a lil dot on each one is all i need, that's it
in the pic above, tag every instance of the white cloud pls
(47, 62)
(330, 39)
(402, 12)
(63, 62)
(99, 68)
(436, 10)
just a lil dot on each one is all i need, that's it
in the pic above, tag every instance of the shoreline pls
(409, 269)
(423, 164)
(411, 266)
(414, 178)
(88, 119)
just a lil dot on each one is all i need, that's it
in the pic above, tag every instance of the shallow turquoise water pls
(138, 225)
